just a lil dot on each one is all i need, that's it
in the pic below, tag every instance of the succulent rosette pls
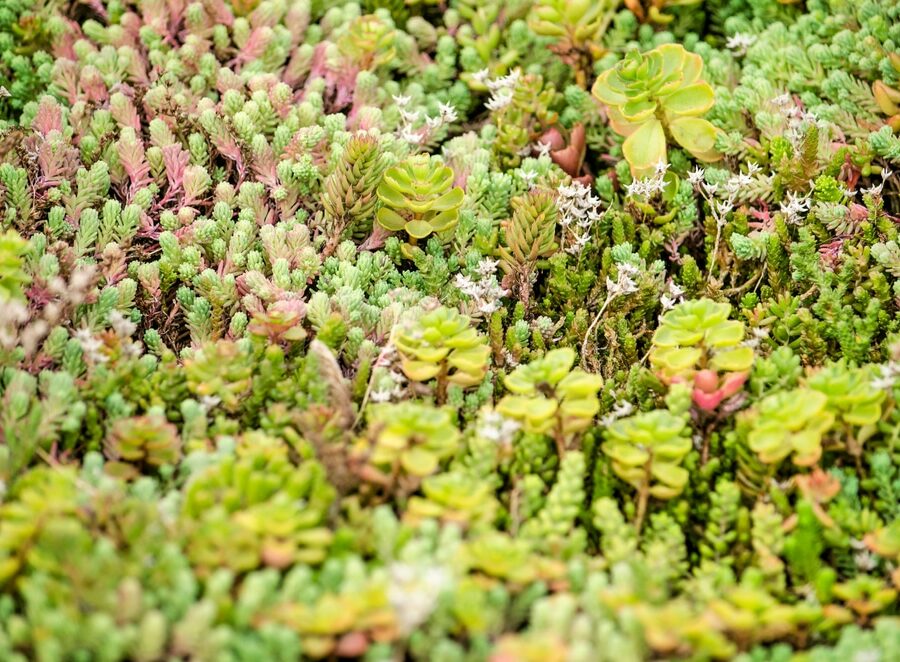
(657, 96)
(418, 197)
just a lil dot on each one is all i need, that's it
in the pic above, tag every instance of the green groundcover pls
(449, 330)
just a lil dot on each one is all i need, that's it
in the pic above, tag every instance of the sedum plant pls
(529, 236)
(234, 237)
(442, 345)
(454, 497)
(576, 27)
(885, 541)
(646, 452)
(501, 556)
(419, 198)
(254, 507)
(866, 595)
(548, 397)
(12, 277)
(221, 371)
(349, 191)
(655, 97)
(653, 10)
(697, 344)
(790, 423)
(407, 439)
(852, 399)
(887, 97)
(141, 440)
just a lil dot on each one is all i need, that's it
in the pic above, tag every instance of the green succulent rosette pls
(658, 95)
(697, 330)
(851, 397)
(418, 197)
(412, 437)
(650, 446)
(548, 392)
(790, 423)
(443, 339)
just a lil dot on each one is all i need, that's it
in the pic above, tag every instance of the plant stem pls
(715, 251)
(440, 395)
(560, 439)
(609, 298)
(643, 498)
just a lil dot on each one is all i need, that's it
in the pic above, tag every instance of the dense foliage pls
(526, 330)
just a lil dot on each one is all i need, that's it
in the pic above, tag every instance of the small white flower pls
(414, 591)
(465, 284)
(411, 136)
(487, 267)
(380, 396)
(481, 76)
(888, 376)
(448, 112)
(91, 345)
(739, 42)
(628, 269)
(542, 148)
(123, 327)
(635, 188)
(509, 81)
(132, 349)
(621, 409)
(209, 402)
(865, 560)
(872, 190)
(499, 99)
(410, 116)
(528, 176)
(782, 99)
(496, 427)
(401, 100)
(578, 211)
(622, 285)
(695, 176)
(485, 293)
(795, 207)
(489, 307)
(885, 174)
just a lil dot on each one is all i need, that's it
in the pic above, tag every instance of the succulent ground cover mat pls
(449, 330)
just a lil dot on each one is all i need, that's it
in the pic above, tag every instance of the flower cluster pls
(501, 88)
(579, 210)
(485, 293)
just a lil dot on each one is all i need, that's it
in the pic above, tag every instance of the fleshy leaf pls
(645, 148)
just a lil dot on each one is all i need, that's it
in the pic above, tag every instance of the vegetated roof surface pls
(452, 330)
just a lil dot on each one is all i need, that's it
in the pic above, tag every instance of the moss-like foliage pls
(460, 330)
